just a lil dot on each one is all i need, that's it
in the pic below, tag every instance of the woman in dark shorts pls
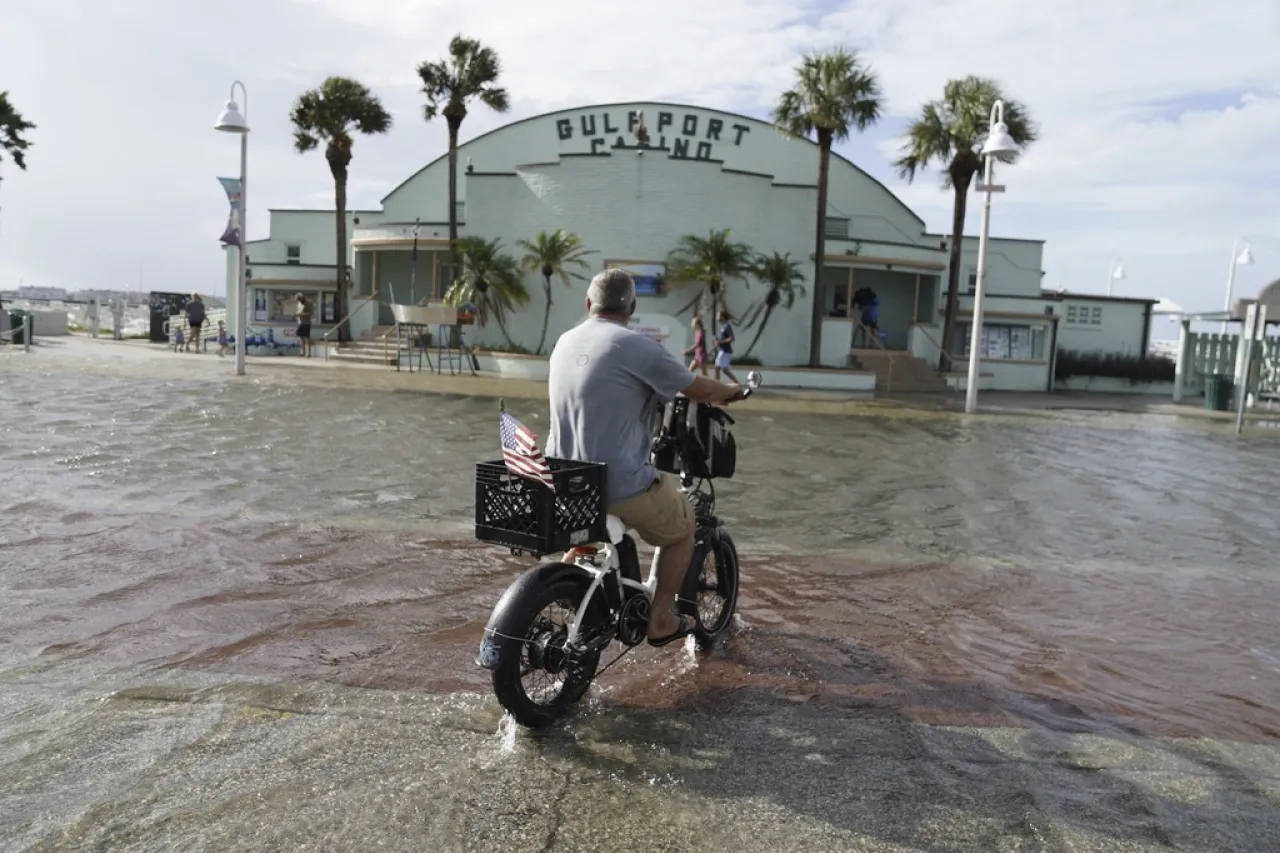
(302, 313)
(195, 319)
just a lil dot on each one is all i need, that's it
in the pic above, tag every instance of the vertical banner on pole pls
(1247, 341)
(233, 234)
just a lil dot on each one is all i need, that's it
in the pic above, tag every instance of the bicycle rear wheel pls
(538, 678)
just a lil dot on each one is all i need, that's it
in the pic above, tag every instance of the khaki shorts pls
(660, 514)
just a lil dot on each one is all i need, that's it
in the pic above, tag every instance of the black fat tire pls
(726, 578)
(507, 685)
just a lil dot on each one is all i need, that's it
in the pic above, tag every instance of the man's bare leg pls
(673, 563)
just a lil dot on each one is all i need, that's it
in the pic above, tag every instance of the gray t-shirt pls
(606, 385)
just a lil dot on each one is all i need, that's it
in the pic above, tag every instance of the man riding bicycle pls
(606, 386)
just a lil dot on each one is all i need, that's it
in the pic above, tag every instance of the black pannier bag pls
(702, 431)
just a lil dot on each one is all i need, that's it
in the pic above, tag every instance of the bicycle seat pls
(615, 527)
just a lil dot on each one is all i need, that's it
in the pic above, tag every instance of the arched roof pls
(578, 109)
(1270, 297)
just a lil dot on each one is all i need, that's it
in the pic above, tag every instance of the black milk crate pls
(525, 516)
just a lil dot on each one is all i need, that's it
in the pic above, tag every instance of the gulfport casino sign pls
(685, 135)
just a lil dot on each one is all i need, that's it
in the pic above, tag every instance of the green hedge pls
(1153, 368)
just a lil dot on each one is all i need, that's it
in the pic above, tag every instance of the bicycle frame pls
(608, 554)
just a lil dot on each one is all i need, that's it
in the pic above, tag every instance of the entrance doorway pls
(905, 298)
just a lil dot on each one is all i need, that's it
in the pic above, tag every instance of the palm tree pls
(329, 114)
(834, 94)
(489, 279)
(550, 254)
(710, 261)
(470, 71)
(951, 132)
(12, 126)
(783, 276)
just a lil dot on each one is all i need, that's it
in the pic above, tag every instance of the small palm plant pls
(553, 255)
(784, 279)
(711, 262)
(489, 279)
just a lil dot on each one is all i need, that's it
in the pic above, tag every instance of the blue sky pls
(1159, 117)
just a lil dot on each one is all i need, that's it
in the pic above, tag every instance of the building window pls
(293, 255)
(1084, 315)
(276, 305)
(973, 281)
(837, 228)
(1005, 341)
(461, 208)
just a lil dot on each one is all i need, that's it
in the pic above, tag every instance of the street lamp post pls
(1239, 257)
(998, 142)
(1116, 273)
(232, 120)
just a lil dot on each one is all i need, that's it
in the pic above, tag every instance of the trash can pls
(1217, 392)
(16, 318)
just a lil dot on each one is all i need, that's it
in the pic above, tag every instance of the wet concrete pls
(240, 614)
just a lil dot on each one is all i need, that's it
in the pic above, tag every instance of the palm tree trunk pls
(454, 125)
(961, 184)
(760, 331)
(497, 315)
(546, 316)
(695, 303)
(820, 247)
(340, 296)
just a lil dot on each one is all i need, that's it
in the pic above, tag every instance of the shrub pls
(748, 361)
(1135, 368)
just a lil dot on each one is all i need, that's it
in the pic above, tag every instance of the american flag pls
(520, 451)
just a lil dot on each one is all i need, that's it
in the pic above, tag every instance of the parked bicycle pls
(546, 635)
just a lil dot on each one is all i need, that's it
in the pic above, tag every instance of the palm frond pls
(12, 128)
(835, 92)
(951, 130)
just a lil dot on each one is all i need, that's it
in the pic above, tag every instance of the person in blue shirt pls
(724, 347)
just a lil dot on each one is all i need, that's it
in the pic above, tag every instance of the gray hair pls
(612, 292)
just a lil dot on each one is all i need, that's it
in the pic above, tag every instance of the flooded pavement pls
(240, 614)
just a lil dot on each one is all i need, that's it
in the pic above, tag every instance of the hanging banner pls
(233, 235)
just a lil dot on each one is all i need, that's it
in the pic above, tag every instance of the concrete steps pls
(897, 371)
(369, 348)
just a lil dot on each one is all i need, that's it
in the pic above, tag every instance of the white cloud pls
(124, 159)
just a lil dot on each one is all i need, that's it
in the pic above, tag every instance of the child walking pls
(222, 338)
(724, 347)
(699, 348)
(178, 340)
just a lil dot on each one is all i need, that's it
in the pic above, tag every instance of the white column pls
(1184, 356)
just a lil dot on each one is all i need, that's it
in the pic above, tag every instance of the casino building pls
(587, 170)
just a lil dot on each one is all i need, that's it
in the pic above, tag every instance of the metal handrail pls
(373, 297)
(26, 333)
(951, 359)
(858, 324)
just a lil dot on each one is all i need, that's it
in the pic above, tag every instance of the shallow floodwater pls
(241, 614)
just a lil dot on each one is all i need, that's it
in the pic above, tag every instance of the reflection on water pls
(242, 614)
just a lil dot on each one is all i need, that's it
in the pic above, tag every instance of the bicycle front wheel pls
(715, 562)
